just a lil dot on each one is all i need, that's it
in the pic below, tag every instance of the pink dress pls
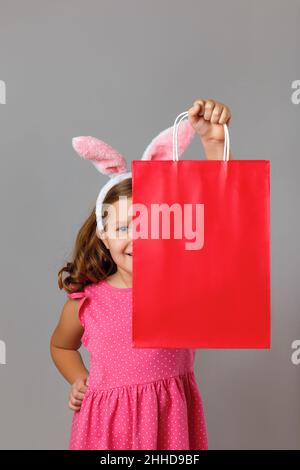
(137, 398)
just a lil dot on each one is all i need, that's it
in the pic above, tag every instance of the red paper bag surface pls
(218, 294)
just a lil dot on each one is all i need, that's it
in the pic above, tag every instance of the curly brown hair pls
(92, 261)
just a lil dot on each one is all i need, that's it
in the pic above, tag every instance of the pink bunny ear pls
(161, 147)
(106, 159)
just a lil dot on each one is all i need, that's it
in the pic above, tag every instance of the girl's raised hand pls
(77, 393)
(207, 118)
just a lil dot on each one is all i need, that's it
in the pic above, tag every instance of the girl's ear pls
(102, 236)
(100, 233)
(161, 147)
(105, 158)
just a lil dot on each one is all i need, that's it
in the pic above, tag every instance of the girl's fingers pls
(208, 109)
(197, 108)
(194, 113)
(75, 408)
(217, 111)
(78, 395)
(75, 401)
(225, 116)
(211, 111)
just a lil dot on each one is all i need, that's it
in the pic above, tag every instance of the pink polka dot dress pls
(137, 398)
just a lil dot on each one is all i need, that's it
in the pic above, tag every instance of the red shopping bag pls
(209, 287)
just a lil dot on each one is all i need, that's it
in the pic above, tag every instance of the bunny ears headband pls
(110, 162)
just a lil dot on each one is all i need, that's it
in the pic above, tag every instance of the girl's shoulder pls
(89, 290)
(85, 307)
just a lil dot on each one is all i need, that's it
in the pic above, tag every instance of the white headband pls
(103, 192)
(110, 162)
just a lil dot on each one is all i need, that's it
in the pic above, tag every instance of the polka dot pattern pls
(137, 398)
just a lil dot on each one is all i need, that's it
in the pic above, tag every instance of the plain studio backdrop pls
(122, 72)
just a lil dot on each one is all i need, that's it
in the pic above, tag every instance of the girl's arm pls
(65, 342)
(214, 150)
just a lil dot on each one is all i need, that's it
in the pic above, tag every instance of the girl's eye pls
(123, 226)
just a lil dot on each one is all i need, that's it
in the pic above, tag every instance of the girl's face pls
(117, 236)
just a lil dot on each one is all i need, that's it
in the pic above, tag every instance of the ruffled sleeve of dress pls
(82, 313)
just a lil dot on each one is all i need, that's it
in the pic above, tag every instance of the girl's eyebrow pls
(124, 221)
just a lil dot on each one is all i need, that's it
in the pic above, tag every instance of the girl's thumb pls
(88, 380)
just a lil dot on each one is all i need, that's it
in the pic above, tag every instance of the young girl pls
(131, 398)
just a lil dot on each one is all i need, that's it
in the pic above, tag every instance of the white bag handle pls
(175, 140)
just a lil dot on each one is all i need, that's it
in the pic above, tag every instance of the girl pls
(131, 398)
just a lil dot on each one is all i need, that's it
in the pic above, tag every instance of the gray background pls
(122, 71)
